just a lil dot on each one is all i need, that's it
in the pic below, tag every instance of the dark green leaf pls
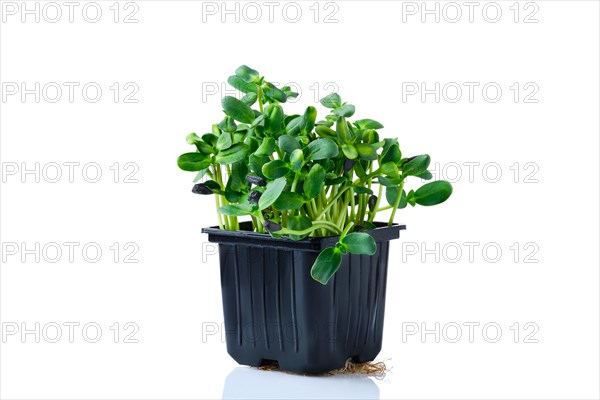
(293, 126)
(247, 73)
(210, 138)
(349, 151)
(347, 110)
(242, 85)
(390, 169)
(237, 109)
(362, 190)
(228, 125)
(391, 193)
(225, 141)
(366, 151)
(325, 131)
(360, 243)
(313, 184)
(249, 98)
(331, 101)
(236, 210)
(266, 148)
(368, 124)
(433, 193)
(416, 166)
(272, 193)
(307, 122)
(343, 132)
(288, 201)
(425, 175)
(274, 93)
(256, 163)
(320, 149)
(326, 264)
(274, 120)
(193, 161)
(296, 160)
(235, 153)
(288, 143)
(275, 169)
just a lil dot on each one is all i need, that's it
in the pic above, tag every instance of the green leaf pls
(296, 160)
(293, 126)
(275, 169)
(225, 141)
(432, 193)
(235, 153)
(390, 169)
(344, 134)
(193, 161)
(307, 122)
(299, 223)
(360, 243)
(210, 138)
(274, 119)
(321, 148)
(368, 124)
(228, 124)
(288, 143)
(362, 190)
(274, 93)
(313, 184)
(272, 193)
(349, 151)
(391, 152)
(249, 98)
(416, 166)
(242, 85)
(366, 151)
(326, 264)
(332, 101)
(425, 175)
(237, 109)
(289, 201)
(347, 110)
(390, 195)
(247, 73)
(256, 163)
(325, 131)
(266, 148)
(236, 210)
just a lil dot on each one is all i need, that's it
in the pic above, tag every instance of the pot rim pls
(382, 233)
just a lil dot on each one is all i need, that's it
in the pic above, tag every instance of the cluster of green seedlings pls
(295, 176)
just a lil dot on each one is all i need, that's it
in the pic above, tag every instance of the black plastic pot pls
(275, 311)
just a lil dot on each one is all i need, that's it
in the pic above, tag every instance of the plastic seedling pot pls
(275, 311)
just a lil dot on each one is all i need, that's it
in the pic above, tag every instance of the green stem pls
(334, 200)
(396, 203)
(376, 208)
(260, 100)
(317, 225)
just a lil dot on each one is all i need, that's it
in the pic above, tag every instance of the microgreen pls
(296, 176)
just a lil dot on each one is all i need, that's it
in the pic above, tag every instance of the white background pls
(176, 54)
